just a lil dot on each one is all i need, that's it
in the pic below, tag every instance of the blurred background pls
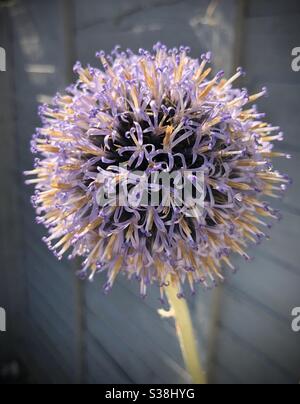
(62, 330)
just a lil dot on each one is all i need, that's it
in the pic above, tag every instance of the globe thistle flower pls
(159, 112)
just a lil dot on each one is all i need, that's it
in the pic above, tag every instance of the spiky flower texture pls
(154, 112)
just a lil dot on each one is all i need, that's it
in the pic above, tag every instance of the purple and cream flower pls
(154, 112)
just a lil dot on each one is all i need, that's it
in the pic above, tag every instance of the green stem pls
(186, 335)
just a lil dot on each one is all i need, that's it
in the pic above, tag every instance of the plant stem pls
(185, 334)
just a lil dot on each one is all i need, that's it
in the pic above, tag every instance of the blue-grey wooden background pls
(63, 331)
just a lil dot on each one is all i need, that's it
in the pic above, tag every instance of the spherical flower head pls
(154, 168)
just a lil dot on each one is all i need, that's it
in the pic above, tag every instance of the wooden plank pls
(137, 25)
(279, 35)
(284, 240)
(272, 339)
(266, 282)
(56, 297)
(39, 71)
(99, 364)
(62, 275)
(137, 334)
(12, 281)
(246, 363)
(254, 335)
